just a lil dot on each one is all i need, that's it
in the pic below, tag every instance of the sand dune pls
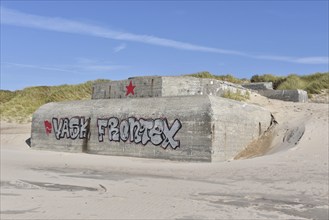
(290, 181)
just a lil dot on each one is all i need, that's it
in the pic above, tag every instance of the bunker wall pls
(181, 86)
(184, 85)
(286, 95)
(259, 86)
(218, 87)
(177, 128)
(143, 87)
(156, 86)
(188, 128)
(235, 125)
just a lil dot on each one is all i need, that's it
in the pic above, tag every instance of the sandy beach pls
(289, 182)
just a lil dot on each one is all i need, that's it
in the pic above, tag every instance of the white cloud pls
(83, 66)
(33, 66)
(87, 64)
(102, 68)
(120, 47)
(313, 60)
(302, 60)
(13, 17)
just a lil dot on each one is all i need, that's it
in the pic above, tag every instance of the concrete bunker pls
(266, 89)
(191, 127)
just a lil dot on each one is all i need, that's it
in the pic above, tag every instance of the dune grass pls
(313, 83)
(238, 96)
(276, 80)
(227, 78)
(292, 82)
(6, 95)
(316, 83)
(18, 106)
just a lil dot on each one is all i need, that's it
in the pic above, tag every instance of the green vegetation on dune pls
(313, 83)
(6, 95)
(316, 82)
(238, 96)
(292, 82)
(276, 80)
(227, 78)
(20, 105)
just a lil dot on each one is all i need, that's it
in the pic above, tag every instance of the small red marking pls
(130, 88)
(47, 127)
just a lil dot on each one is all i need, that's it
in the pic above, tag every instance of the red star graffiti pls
(47, 127)
(130, 89)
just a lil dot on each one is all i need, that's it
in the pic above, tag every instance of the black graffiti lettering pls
(170, 133)
(57, 127)
(71, 128)
(65, 128)
(84, 124)
(74, 127)
(146, 126)
(101, 124)
(124, 130)
(134, 130)
(156, 132)
(113, 129)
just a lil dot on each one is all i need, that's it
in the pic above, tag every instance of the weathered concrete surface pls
(234, 126)
(150, 86)
(259, 86)
(160, 86)
(286, 95)
(182, 86)
(266, 89)
(190, 128)
(165, 86)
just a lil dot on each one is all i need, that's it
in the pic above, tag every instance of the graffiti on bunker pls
(138, 131)
(130, 88)
(76, 127)
(157, 131)
(47, 126)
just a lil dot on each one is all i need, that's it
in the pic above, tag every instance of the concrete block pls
(286, 95)
(188, 128)
(136, 87)
(259, 86)
(160, 86)
(266, 89)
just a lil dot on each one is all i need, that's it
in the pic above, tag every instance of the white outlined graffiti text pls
(142, 131)
(76, 127)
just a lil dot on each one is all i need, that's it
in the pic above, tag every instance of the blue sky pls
(69, 42)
